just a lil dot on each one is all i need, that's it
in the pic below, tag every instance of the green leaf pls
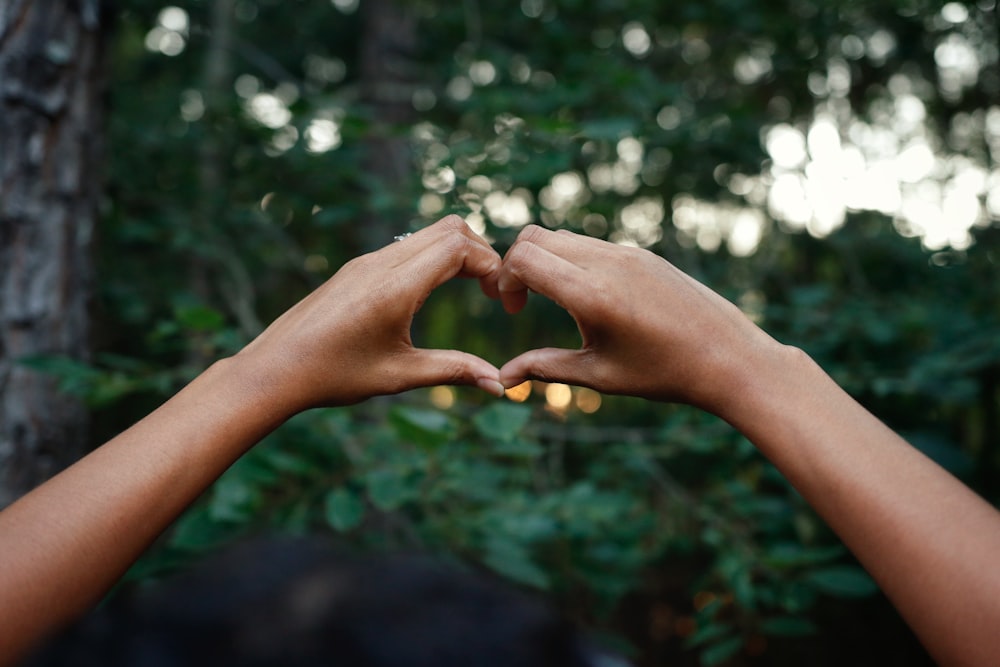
(788, 626)
(428, 428)
(502, 420)
(716, 654)
(343, 510)
(514, 562)
(387, 489)
(708, 633)
(610, 129)
(288, 462)
(63, 367)
(199, 318)
(793, 554)
(197, 531)
(810, 296)
(233, 498)
(75, 377)
(526, 527)
(842, 581)
(518, 448)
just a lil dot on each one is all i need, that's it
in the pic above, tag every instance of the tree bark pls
(51, 132)
(388, 45)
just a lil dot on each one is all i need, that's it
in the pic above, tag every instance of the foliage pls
(621, 120)
(543, 507)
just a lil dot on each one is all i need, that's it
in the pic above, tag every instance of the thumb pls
(425, 368)
(550, 364)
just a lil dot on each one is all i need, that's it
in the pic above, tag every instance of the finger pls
(528, 265)
(573, 247)
(409, 243)
(433, 234)
(550, 364)
(434, 244)
(514, 301)
(427, 368)
(489, 285)
(453, 250)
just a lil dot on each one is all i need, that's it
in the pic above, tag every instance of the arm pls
(69, 540)
(649, 330)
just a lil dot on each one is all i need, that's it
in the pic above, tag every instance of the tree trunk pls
(51, 129)
(388, 44)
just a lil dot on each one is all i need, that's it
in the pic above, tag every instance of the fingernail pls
(490, 386)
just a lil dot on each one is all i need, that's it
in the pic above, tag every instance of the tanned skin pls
(648, 330)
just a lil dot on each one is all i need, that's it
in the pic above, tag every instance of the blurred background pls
(831, 167)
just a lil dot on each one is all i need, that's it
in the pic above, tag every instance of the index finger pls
(545, 262)
(447, 249)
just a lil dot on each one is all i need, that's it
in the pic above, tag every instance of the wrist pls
(758, 382)
(257, 384)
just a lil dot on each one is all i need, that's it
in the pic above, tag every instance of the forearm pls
(929, 541)
(649, 330)
(66, 543)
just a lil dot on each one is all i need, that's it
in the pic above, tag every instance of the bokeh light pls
(169, 35)
(558, 396)
(587, 400)
(519, 393)
(442, 397)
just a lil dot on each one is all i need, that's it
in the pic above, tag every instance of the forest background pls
(832, 167)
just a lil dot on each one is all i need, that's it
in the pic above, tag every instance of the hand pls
(350, 339)
(648, 329)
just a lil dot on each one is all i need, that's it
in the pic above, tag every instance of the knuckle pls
(453, 223)
(538, 370)
(456, 372)
(458, 244)
(519, 256)
(354, 264)
(531, 234)
(626, 260)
